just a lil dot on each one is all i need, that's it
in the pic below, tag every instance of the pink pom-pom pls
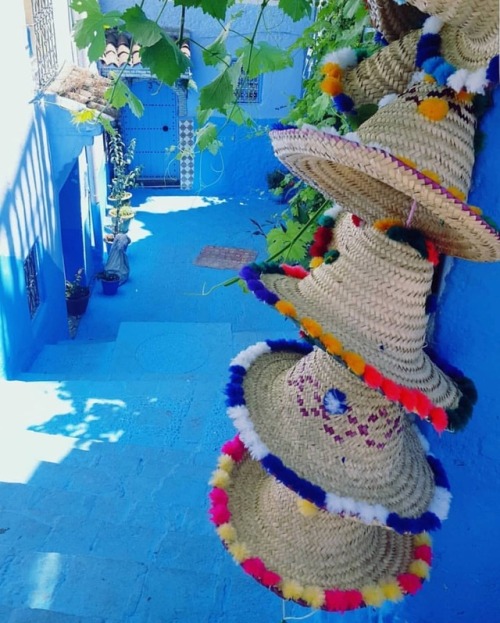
(356, 220)
(254, 567)
(299, 272)
(220, 514)
(372, 377)
(391, 389)
(423, 552)
(336, 601)
(354, 599)
(218, 496)
(269, 578)
(234, 448)
(410, 583)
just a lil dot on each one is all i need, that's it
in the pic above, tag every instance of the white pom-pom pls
(259, 450)
(330, 130)
(248, 356)
(350, 506)
(432, 25)
(457, 80)
(238, 412)
(308, 126)
(440, 504)
(380, 513)
(352, 136)
(345, 57)
(476, 81)
(387, 99)
(416, 78)
(334, 211)
(334, 503)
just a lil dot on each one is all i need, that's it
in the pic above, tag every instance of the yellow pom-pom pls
(408, 162)
(291, 589)
(311, 327)
(332, 344)
(354, 362)
(373, 596)
(476, 209)
(331, 86)
(431, 175)
(225, 463)
(227, 532)
(220, 478)
(306, 508)
(239, 551)
(456, 192)
(419, 568)
(392, 591)
(430, 79)
(334, 70)
(383, 224)
(313, 596)
(315, 262)
(286, 308)
(422, 539)
(434, 108)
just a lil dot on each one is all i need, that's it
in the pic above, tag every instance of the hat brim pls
(322, 561)
(374, 184)
(393, 20)
(350, 472)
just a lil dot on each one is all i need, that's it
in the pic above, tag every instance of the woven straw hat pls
(477, 23)
(323, 433)
(306, 555)
(418, 148)
(393, 20)
(368, 309)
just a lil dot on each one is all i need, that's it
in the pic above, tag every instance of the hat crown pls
(430, 129)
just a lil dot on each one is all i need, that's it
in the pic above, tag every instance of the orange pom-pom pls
(456, 192)
(334, 70)
(354, 362)
(430, 79)
(331, 86)
(312, 327)
(431, 175)
(407, 161)
(465, 97)
(286, 308)
(476, 209)
(439, 419)
(332, 344)
(383, 224)
(434, 108)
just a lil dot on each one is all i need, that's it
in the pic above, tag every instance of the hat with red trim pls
(367, 307)
(323, 433)
(304, 554)
(413, 157)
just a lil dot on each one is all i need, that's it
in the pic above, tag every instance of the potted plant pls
(124, 178)
(281, 185)
(110, 281)
(77, 294)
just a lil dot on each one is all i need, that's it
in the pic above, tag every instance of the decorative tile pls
(186, 145)
(224, 257)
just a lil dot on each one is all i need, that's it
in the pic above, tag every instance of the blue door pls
(156, 133)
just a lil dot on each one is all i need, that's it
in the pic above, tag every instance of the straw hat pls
(304, 554)
(393, 20)
(436, 49)
(418, 148)
(323, 433)
(368, 309)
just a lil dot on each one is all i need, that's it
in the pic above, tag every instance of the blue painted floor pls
(104, 462)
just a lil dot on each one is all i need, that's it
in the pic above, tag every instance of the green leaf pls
(289, 245)
(89, 31)
(165, 60)
(296, 9)
(144, 31)
(262, 58)
(216, 52)
(220, 92)
(206, 138)
(215, 8)
(119, 95)
(237, 115)
(202, 116)
(320, 106)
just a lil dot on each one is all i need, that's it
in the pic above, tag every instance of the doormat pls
(224, 257)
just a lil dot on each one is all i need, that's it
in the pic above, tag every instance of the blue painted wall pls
(246, 156)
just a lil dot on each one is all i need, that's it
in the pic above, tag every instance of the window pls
(248, 90)
(41, 40)
(31, 280)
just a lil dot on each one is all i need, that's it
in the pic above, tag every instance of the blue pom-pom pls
(247, 273)
(272, 464)
(266, 297)
(289, 345)
(442, 72)
(254, 284)
(311, 492)
(281, 126)
(380, 39)
(343, 103)
(235, 395)
(237, 370)
(440, 477)
(429, 521)
(430, 64)
(428, 46)
(492, 73)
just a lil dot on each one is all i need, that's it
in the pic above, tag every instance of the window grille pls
(31, 280)
(44, 42)
(248, 90)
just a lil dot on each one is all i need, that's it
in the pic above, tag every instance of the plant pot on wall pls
(77, 295)
(121, 218)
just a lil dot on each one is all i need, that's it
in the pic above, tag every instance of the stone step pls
(71, 360)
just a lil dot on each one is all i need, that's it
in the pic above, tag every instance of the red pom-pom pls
(254, 567)
(299, 272)
(323, 235)
(220, 514)
(410, 583)
(218, 496)
(372, 377)
(423, 552)
(391, 389)
(356, 220)
(432, 253)
(336, 601)
(316, 250)
(234, 448)
(439, 419)
(408, 399)
(269, 578)
(354, 599)
(423, 405)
